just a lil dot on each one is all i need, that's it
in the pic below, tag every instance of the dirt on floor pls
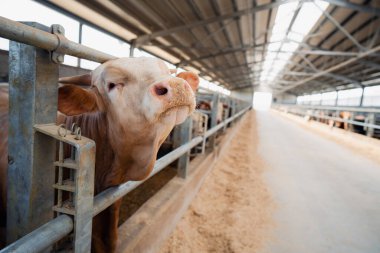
(233, 210)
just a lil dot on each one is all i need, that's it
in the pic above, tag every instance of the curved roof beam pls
(333, 68)
(148, 37)
(356, 7)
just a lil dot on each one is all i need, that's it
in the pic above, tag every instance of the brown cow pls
(345, 116)
(130, 108)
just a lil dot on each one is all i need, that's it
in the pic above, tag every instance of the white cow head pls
(142, 102)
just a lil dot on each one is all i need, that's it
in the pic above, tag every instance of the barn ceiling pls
(239, 44)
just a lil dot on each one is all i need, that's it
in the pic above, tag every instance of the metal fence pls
(370, 117)
(32, 140)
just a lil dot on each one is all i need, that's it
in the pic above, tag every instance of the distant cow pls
(129, 109)
(207, 106)
(345, 116)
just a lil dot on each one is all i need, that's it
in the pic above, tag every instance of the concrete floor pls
(327, 197)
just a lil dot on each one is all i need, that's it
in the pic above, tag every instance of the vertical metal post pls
(132, 48)
(225, 117)
(233, 110)
(84, 197)
(214, 114)
(32, 100)
(204, 125)
(80, 41)
(79, 187)
(370, 119)
(352, 118)
(182, 135)
(361, 98)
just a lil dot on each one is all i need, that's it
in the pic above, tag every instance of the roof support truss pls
(148, 37)
(334, 68)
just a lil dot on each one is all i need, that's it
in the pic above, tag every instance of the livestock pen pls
(34, 55)
(127, 127)
(363, 120)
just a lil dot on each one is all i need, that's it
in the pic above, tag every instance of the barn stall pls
(326, 73)
(36, 51)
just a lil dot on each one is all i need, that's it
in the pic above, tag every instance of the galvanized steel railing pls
(56, 229)
(19, 32)
(306, 110)
(107, 197)
(61, 226)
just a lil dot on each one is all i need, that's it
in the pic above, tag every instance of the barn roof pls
(237, 44)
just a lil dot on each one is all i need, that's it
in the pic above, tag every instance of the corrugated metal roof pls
(227, 40)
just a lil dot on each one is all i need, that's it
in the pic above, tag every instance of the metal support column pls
(370, 119)
(361, 98)
(132, 48)
(214, 115)
(32, 100)
(233, 110)
(182, 135)
(80, 41)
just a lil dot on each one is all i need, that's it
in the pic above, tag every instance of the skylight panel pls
(293, 36)
(307, 16)
(289, 47)
(284, 15)
(274, 46)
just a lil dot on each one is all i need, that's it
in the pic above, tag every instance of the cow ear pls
(83, 80)
(73, 100)
(191, 78)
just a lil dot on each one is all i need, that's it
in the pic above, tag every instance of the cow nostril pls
(160, 90)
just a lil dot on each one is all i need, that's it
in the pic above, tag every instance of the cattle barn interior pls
(189, 126)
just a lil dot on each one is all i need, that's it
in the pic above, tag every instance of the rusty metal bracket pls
(56, 54)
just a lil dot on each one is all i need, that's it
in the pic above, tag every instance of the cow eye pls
(111, 86)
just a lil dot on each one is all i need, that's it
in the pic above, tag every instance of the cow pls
(128, 109)
(207, 107)
(345, 116)
(204, 105)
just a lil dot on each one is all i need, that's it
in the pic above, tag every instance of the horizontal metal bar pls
(58, 228)
(43, 237)
(109, 196)
(353, 122)
(333, 68)
(16, 31)
(333, 108)
(225, 51)
(221, 125)
(148, 37)
(356, 7)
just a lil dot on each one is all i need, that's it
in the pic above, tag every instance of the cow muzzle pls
(175, 96)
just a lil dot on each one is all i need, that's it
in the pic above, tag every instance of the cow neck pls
(95, 126)
(135, 146)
